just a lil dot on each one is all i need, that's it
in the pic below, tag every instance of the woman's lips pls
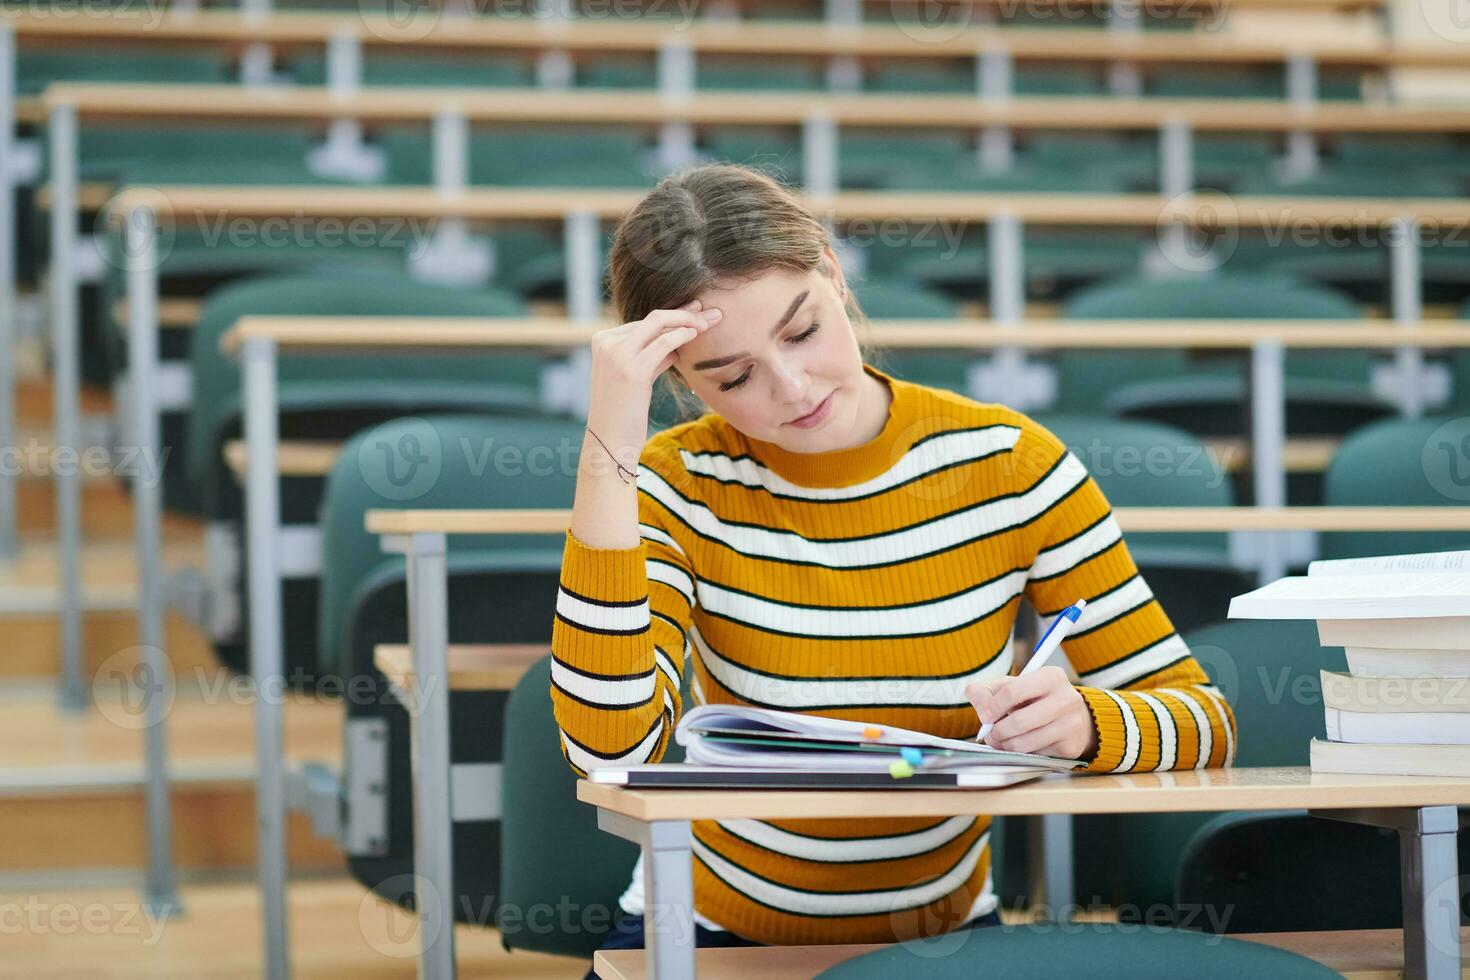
(815, 416)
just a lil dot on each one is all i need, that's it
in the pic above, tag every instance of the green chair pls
(881, 299)
(37, 69)
(1403, 463)
(1291, 872)
(1327, 392)
(1357, 182)
(775, 152)
(1145, 464)
(534, 156)
(328, 398)
(485, 70)
(875, 159)
(1044, 951)
(721, 73)
(1269, 672)
(551, 850)
(1460, 383)
(502, 589)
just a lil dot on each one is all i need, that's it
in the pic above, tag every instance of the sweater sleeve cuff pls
(1112, 736)
(605, 574)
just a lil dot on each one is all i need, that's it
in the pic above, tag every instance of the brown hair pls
(701, 226)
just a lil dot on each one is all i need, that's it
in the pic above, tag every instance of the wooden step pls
(337, 930)
(71, 786)
(34, 398)
(107, 512)
(29, 600)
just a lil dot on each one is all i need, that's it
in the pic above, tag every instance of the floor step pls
(29, 599)
(337, 930)
(71, 785)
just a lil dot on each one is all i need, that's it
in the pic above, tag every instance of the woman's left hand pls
(1040, 712)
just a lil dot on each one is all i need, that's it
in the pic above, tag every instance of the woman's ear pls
(833, 270)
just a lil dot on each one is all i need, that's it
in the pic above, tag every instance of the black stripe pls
(602, 602)
(1109, 622)
(1135, 653)
(851, 861)
(889, 564)
(1091, 599)
(837, 894)
(610, 756)
(861, 636)
(602, 677)
(1159, 670)
(766, 491)
(867, 677)
(866, 608)
(602, 705)
(599, 631)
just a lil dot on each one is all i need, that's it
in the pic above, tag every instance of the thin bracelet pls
(621, 468)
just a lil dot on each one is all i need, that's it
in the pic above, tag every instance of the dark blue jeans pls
(627, 933)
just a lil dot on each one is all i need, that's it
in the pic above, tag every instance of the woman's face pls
(782, 348)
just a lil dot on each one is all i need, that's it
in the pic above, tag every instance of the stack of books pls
(1403, 707)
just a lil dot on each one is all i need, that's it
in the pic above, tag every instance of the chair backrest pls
(451, 461)
(315, 382)
(1399, 462)
(1085, 379)
(1269, 673)
(889, 298)
(552, 852)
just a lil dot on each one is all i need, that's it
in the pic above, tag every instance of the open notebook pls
(737, 745)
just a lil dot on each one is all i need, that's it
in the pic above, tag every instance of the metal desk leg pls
(433, 803)
(66, 379)
(262, 520)
(1268, 445)
(668, 890)
(8, 540)
(142, 269)
(1428, 867)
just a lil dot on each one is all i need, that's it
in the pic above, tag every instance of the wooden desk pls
(1422, 809)
(159, 102)
(472, 667)
(1363, 954)
(810, 39)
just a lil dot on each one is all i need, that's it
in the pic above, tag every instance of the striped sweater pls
(872, 584)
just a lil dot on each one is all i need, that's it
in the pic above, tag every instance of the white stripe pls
(666, 664)
(941, 615)
(1132, 738)
(845, 903)
(762, 834)
(617, 693)
(797, 693)
(1146, 661)
(662, 571)
(590, 615)
(1105, 609)
(635, 756)
(1206, 735)
(1168, 736)
(651, 533)
(695, 691)
(1064, 557)
(927, 457)
(1213, 693)
(886, 549)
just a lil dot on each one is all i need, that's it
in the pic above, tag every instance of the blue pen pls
(1050, 641)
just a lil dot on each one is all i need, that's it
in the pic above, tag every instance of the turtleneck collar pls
(844, 467)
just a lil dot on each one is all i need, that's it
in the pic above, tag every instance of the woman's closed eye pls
(800, 338)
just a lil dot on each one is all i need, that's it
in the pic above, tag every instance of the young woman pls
(832, 539)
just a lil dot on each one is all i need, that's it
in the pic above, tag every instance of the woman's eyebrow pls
(718, 362)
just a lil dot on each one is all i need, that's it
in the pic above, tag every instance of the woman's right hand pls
(627, 359)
